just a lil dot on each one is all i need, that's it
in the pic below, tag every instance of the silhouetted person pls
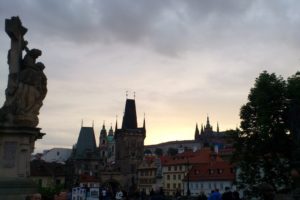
(236, 195)
(202, 196)
(227, 195)
(178, 194)
(158, 195)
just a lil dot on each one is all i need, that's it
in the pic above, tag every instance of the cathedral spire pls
(207, 122)
(196, 132)
(111, 132)
(116, 126)
(144, 122)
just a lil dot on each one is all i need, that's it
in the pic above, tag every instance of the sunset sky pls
(183, 59)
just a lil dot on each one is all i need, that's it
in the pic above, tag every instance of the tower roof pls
(86, 141)
(129, 118)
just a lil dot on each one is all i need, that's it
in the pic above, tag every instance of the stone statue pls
(27, 83)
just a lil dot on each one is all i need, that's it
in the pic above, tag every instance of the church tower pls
(103, 143)
(129, 143)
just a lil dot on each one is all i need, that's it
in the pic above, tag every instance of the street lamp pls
(188, 192)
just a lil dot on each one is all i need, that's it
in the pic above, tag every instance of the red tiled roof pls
(216, 170)
(201, 156)
(87, 178)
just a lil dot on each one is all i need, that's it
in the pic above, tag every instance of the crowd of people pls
(266, 192)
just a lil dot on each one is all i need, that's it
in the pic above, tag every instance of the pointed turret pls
(144, 122)
(129, 118)
(196, 132)
(207, 122)
(111, 132)
(116, 126)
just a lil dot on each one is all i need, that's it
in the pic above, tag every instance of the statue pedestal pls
(16, 146)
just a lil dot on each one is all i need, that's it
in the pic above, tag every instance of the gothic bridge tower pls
(129, 143)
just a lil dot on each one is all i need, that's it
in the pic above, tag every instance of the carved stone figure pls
(27, 83)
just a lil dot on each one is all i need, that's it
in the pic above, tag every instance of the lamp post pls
(188, 192)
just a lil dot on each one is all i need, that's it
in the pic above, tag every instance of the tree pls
(172, 151)
(293, 96)
(147, 152)
(263, 144)
(158, 152)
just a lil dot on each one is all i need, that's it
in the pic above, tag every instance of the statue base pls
(16, 146)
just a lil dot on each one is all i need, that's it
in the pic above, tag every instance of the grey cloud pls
(170, 27)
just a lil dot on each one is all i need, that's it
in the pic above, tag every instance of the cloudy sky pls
(184, 59)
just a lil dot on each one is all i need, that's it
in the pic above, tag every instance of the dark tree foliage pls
(172, 151)
(147, 151)
(263, 146)
(293, 96)
(158, 152)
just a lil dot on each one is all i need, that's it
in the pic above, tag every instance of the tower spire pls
(116, 126)
(207, 121)
(196, 132)
(144, 123)
(218, 127)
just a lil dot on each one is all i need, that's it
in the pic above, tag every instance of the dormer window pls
(211, 171)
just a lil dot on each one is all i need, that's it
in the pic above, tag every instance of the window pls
(201, 185)
(180, 167)
(57, 153)
(174, 185)
(175, 168)
(221, 186)
(209, 186)
(174, 176)
(169, 168)
(168, 185)
(168, 177)
(179, 185)
(179, 176)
